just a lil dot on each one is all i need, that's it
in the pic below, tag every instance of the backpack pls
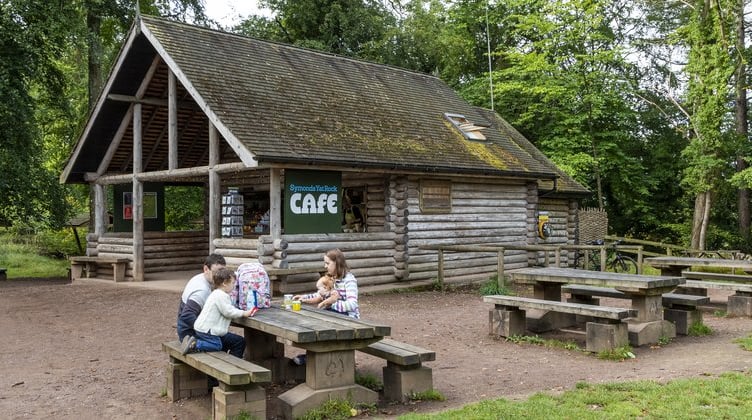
(252, 288)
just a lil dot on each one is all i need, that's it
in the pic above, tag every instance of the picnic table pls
(330, 341)
(698, 282)
(673, 266)
(644, 292)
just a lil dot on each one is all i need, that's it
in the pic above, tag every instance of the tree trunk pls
(701, 219)
(93, 25)
(742, 126)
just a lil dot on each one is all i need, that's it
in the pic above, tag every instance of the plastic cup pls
(296, 305)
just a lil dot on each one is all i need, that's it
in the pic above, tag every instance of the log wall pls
(371, 256)
(561, 215)
(163, 251)
(482, 213)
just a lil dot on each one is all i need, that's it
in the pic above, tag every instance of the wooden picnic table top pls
(686, 262)
(309, 326)
(628, 283)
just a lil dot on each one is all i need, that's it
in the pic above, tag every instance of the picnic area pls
(92, 349)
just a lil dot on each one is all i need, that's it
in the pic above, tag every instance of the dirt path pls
(79, 351)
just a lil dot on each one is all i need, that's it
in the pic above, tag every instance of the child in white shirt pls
(214, 320)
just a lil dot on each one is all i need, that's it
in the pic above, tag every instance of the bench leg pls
(183, 381)
(739, 304)
(91, 270)
(401, 381)
(229, 401)
(682, 318)
(77, 270)
(602, 337)
(118, 272)
(506, 322)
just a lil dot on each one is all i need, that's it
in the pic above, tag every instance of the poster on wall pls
(312, 202)
(150, 205)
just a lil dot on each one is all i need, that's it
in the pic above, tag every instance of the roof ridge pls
(290, 46)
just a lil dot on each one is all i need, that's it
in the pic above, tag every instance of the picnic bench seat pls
(404, 373)
(604, 332)
(678, 308)
(80, 264)
(238, 390)
(738, 304)
(705, 275)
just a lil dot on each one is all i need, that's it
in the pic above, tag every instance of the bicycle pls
(615, 261)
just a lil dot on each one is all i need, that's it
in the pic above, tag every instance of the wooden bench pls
(89, 264)
(677, 308)
(404, 373)
(604, 332)
(738, 304)
(238, 390)
(727, 277)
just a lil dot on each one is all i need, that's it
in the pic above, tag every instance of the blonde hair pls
(327, 282)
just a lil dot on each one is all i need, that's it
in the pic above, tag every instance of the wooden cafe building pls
(298, 151)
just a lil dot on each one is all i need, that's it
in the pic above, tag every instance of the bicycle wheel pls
(623, 264)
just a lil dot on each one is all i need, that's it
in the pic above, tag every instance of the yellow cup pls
(295, 305)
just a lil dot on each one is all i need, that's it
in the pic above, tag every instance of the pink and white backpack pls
(253, 287)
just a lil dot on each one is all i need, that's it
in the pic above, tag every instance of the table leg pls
(648, 326)
(329, 375)
(264, 349)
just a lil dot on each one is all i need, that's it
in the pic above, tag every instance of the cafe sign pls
(312, 202)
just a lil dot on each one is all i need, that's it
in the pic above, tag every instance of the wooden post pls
(440, 278)
(603, 258)
(639, 260)
(275, 203)
(138, 198)
(500, 280)
(172, 120)
(557, 256)
(100, 210)
(215, 195)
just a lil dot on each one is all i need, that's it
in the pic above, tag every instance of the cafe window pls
(354, 210)
(435, 196)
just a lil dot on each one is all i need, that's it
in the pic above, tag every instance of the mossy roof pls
(284, 104)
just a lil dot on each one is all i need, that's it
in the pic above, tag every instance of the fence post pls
(500, 281)
(441, 269)
(603, 257)
(639, 260)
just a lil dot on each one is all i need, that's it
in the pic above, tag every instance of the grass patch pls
(664, 340)
(720, 314)
(430, 395)
(23, 260)
(491, 287)
(745, 343)
(618, 354)
(369, 381)
(538, 341)
(698, 329)
(724, 397)
(336, 409)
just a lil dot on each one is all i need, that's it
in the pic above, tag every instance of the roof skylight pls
(470, 130)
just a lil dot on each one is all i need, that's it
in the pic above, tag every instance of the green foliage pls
(491, 287)
(184, 207)
(369, 381)
(724, 397)
(538, 341)
(664, 340)
(336, 409)
(745, 342)
(430, 395)
(21, 256)
(698, 329)
(617, 354)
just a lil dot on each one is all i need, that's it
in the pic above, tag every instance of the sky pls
(226, 12)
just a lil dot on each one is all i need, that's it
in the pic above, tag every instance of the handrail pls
(500, 249)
